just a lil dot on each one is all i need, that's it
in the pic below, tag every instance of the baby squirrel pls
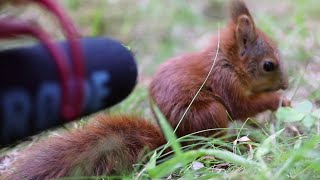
(247, 73)
(244, 80)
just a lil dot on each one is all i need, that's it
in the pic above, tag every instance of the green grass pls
(286, 143)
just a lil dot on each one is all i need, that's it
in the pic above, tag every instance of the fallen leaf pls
(197, 165)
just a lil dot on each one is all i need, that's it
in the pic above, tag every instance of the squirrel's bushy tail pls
(107, 145)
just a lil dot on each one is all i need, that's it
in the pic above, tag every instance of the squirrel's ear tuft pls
(245, 27)
(238, 8)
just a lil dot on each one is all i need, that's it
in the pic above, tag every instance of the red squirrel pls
(106, 145)
(247, 73)
(244, 80)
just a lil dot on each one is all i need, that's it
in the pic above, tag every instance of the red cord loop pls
(72, 74)
(76, 99)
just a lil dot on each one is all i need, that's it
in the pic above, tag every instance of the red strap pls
(76, 99)
(71, 79)
(12, 28)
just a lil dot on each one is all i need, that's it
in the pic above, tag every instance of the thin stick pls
(299, 81)
(214, 62)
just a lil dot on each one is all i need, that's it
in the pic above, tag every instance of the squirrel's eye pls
(268, 66)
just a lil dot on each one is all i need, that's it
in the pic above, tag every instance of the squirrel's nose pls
(284, 82)
(284, 79)
(284, 86)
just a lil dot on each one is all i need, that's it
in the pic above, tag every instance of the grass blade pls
(167, 130)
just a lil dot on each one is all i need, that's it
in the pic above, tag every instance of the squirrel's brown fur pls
(244, 81)
(238, 82)
(107, 145)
